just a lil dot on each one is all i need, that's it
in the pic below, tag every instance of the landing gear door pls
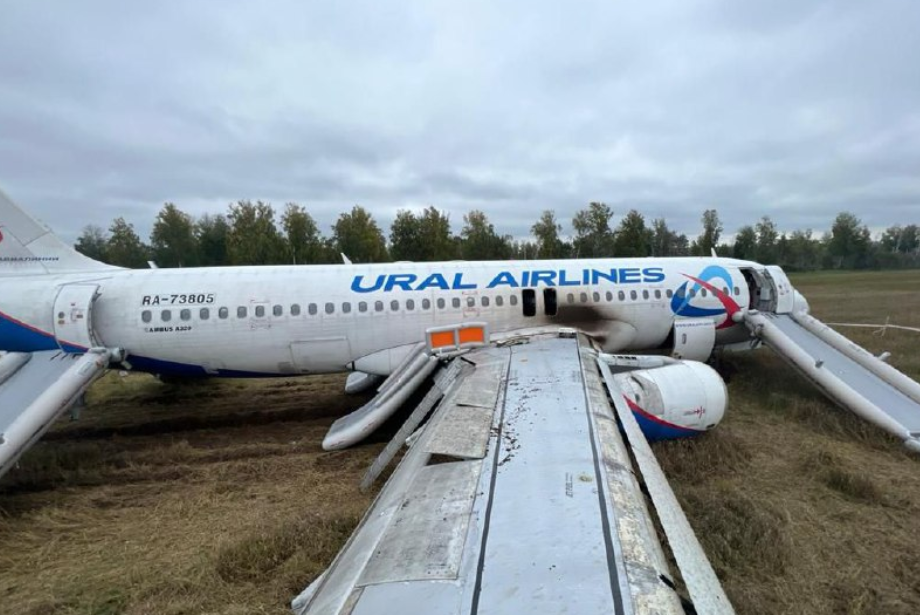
(782, 289)
(694, 339)
(73, 317)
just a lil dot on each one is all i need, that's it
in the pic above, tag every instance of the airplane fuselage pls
(260, 321)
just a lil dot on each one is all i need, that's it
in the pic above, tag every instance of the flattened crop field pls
(215, 497)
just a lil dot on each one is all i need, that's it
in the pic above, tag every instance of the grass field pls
(215, 497)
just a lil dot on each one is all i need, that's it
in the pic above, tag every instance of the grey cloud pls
(788, 109)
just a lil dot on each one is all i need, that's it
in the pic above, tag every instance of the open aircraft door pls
(73, 317)
(782, 289)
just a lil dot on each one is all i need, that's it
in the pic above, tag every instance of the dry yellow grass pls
(161, 500)
(802, 507)
(215, 497)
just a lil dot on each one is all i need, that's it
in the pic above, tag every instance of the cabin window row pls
(313, 309)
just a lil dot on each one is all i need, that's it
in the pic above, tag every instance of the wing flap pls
(424, 542)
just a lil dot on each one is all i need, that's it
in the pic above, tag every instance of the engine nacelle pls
(674, 401)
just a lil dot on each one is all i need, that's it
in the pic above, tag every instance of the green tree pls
(525, 250)
(632, 237)
(745, 246)
(901, 239)
(767, 237)
(211, 232)
(92, 243)
(440, 245)
(709, 238)
(303, 242)
(848, 243)
(253, 238)
(666, 242)
(593, 236)
(479, 241)
(406, 237)
(124, 248)
(422, 237)
(173, 241)
(357, 236)
(803, 252)
(546, 231)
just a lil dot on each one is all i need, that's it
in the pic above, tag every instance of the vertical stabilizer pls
(28, 247)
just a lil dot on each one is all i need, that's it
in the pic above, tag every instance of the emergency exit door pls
(73, 317)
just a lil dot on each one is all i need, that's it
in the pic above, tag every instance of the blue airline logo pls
(387, 282)
(682, 301)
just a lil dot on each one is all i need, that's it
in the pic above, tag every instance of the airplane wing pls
(35, 389)
(519, 495)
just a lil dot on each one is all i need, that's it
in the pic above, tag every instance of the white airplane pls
(288, 320)
(370, 319)
(65, 319)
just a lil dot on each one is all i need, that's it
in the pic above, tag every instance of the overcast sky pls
(793, 109)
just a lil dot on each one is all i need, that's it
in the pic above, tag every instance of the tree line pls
(248, 234)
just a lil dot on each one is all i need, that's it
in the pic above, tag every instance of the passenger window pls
(499, 301)
(583, 297)
(204, 313)
(609, 296)
(513, 299)
(241, 312)
(295, 309)
(185, 314)
(426, 304)
(260, 311)
(362, 306)
(223, 313)
(410, 304)
(621, 296)
(441, 303)
(737, 291)
(346, 308)
(277, 310)
(669, 293)
(330, 307)
(394, 305)
(570, 298)
(312, 309)
(692, 292)
(165, 315)
(455, 302)
(471, 301)
(633, 295)
(530, 302)
(549, 301)
(485, 302)
(703, 292)
(657, 293)
(146, 316)
(645, 294)
(378, 306)
(597, 297)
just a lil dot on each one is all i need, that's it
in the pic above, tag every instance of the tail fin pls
(28, 247)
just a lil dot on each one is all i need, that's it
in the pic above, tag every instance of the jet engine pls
(676, 400)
